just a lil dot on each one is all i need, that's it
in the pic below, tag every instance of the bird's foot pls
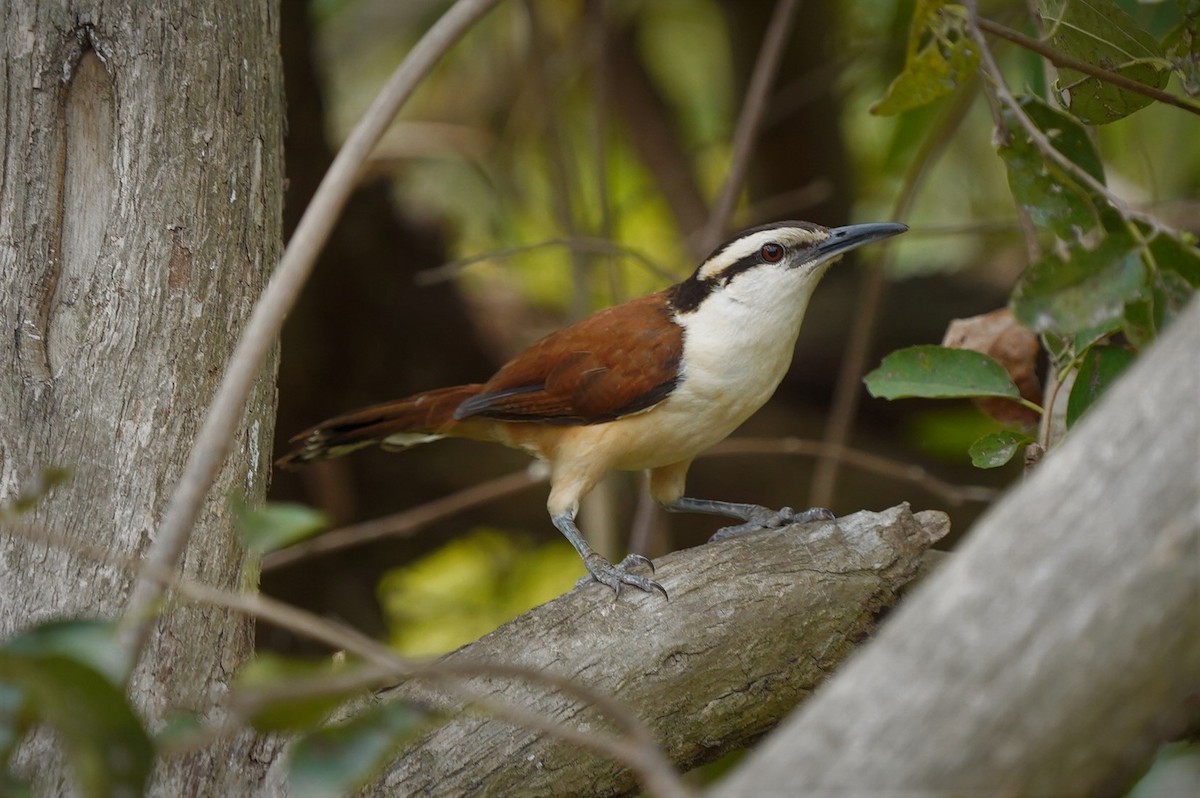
(602, 571)
(766, 518)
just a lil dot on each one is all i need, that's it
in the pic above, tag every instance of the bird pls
(646, 385)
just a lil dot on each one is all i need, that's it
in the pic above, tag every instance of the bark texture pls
(140, 193)
(752, 626)
(1056, 649)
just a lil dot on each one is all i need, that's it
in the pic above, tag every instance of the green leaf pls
(1174, 264)
(1139, 323)
(14, 720)
(1171, 253)
(1051, 196)
(938, 372)
(93, 643)
(181, 729)
(940, 58)
(1169, 295)
(1100, 33)
(106, 744)
(996, 449)
(1182, 45)
(30, 495)
(1100, 368)
(1172, 294)
(275, 525)
(339, 759)
(1086, 291)
(264, 683)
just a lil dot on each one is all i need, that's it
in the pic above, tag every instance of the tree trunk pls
(1056, 649)
(140, 198)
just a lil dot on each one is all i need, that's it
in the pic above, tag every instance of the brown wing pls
(613, 363)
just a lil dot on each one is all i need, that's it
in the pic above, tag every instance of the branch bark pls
(1073, 607)
(751, 627)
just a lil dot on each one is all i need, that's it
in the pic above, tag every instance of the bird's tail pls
(407, 422)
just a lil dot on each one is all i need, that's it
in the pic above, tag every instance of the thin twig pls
(1029, 231)
(412, 521)
(655, 136)
(214, 440)
(750, 120)
(980, 227)
(1051, 423)
(636, 747)
(847, 393)
(991, 70)
(405, 523)
(953, 495)
(640, 752)
(583, 244)
(597, 32)
(767, 209)
(1064, 61)
(562, 177)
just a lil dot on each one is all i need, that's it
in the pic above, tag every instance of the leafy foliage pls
(1106, 273)
(996, 449)
(937, 372)
(1100, 33)
(275, 525)
(940, 58)
(1100, 367)
(340, 758)
(64, 675)
(265, 681)
(1051, 195)
(1086, 290)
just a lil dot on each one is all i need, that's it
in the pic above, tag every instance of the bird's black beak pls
(844, 239)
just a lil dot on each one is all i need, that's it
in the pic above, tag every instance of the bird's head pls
(780, 262)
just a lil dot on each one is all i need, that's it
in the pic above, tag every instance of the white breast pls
(737, 349)
(736, 352)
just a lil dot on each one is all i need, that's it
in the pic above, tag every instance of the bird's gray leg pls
(601, 569)
(755, 516)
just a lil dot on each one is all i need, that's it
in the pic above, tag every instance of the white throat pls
(738, 342)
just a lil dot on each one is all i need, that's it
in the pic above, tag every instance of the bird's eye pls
(771, 253)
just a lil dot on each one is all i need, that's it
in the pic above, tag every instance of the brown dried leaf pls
(1000, 336)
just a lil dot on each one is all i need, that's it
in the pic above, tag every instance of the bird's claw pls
(615, 576)
(766, 518)
(636, 559)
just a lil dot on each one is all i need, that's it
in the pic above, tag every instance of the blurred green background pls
(564, 157)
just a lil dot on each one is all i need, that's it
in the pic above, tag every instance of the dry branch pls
(751, 627)
(1057, 648)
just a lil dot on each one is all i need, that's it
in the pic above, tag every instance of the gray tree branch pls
(1056, 649)
(752, 626)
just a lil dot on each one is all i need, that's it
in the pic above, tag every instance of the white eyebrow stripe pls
(752, 243)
